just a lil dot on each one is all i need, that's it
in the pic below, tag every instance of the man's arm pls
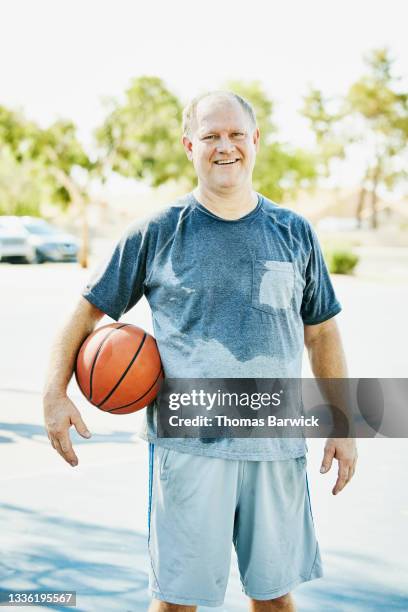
(327, 360)
(59, 411)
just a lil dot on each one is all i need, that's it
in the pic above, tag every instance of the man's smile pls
(226, 162)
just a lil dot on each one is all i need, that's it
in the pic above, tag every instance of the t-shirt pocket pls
(273, 285)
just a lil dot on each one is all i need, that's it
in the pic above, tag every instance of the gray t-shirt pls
(229, 299)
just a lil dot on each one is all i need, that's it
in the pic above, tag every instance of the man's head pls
(221, 138)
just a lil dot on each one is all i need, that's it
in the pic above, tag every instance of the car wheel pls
(36, 258)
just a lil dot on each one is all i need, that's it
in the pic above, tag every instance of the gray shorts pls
(199, 505)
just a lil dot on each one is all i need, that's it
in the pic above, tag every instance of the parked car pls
(15, 245)
(43, 241)
(49, 242)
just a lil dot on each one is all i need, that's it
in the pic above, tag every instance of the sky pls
(61, 58)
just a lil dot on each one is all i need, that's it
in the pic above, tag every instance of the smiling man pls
(221, 139)
(237, 286)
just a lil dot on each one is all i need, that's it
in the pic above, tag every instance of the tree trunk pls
(79, 200)
(374, 198)
(84, 250)
(360, 204)
(374, 216)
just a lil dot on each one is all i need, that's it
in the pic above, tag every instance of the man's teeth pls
(231, 161)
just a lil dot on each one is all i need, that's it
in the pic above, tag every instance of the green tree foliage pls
(382, 111)
(50, 156)
(141, 136)
(61, 157)
(372, 116)
(14, 132)
(280, 170)
(324, 122)
(67, 169)
(20, 191)
(39, 163)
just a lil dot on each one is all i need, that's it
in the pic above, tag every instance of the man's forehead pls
(219, 110)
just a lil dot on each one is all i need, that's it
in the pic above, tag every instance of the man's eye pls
(238, 134)
(209, 137)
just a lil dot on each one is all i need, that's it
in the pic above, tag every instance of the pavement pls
(85, 528)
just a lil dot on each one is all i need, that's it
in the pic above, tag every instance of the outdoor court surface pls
(85, 528)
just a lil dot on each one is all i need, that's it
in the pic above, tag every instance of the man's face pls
(223, 145)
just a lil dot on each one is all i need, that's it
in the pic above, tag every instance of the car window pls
(40, 229)
(10, 226)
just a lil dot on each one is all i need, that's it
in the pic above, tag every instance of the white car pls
(44, 241)
(14, 243)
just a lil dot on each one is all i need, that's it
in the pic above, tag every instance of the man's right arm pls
(59, 411)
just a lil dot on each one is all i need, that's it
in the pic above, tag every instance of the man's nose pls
(225, 145)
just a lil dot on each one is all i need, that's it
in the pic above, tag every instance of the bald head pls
(215, 97)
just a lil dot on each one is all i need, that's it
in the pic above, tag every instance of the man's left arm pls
(327, 360)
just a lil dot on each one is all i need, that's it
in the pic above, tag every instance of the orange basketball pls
(118, 368)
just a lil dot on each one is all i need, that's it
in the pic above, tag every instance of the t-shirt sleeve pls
(117, 285)
(319, 300)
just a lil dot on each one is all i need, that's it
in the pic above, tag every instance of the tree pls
(14, 132)
(324, 116)
(20, 191)
(280, 170)
(67, 169)
(383, 113)
(140, 138)
(373, 117)
(38, 163)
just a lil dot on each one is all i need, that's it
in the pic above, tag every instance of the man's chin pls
(225, 186)
(228, 185)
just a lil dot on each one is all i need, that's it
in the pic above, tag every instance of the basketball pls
(118, 368)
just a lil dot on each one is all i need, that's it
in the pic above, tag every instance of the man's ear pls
(188, 147)
(256, 138)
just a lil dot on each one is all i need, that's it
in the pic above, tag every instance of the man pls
(236, 285)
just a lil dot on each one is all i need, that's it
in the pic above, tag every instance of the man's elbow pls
(85, 315)
(87, 307)
(315, 333)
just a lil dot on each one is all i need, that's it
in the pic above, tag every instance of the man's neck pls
(230, 206)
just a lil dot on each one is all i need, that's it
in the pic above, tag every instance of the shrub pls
(341, 261)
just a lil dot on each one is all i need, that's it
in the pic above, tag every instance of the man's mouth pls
(226, 162)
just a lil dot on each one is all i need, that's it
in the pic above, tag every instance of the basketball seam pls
(97, 355)
(125, 372)
(139, 398)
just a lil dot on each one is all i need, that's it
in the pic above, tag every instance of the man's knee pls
(163, 606)
(284, 603)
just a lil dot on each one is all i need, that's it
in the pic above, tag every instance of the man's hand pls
(59, 414)
(345, 451)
